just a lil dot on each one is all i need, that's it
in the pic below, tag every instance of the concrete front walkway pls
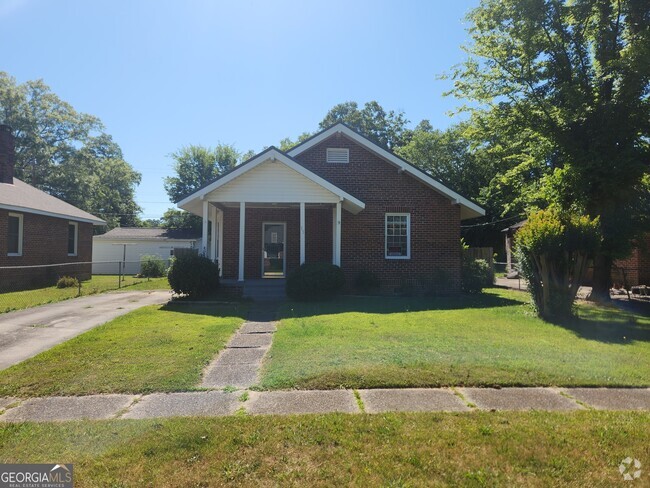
(238, 365)
(219, 402)
(25, 333)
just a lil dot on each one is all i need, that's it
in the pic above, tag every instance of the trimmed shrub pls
(315, 281)
(553, 249)
(367, 281)
(193, 275)
(475, 275)
(67, 282)
(152, 267)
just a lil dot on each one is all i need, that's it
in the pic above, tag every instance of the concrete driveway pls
(26, 333)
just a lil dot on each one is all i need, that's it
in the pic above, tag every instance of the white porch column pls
(213, 232)
(204, 233)
(302, 232)
(337, 254)
(334, 235)
(220, 240)
(242, 233)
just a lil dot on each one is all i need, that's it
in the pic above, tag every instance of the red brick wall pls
(45, 241)
(435, 222)
(636, 266)
(435, 225)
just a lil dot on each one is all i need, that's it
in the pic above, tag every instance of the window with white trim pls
(73, 238)
(15, 235)
(338, 155)
(398, 236)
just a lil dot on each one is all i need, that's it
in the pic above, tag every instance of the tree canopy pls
(387, 129)
(181, 220)
(196, 166)
(67, 154)
(566, 86)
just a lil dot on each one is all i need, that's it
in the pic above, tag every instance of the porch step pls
(265, 290)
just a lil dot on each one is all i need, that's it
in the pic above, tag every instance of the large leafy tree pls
(195, 166)
(388, 129)
(568, 83)
(181, 220)
(66, 153)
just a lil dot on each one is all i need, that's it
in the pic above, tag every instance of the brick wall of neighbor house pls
(636, 266)
(318, 238)
(435, 221)
(45, 241)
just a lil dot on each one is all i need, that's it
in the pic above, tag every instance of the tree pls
(97, 179)
(552, 249)
(568, 83)
(66, 153)
(181, 220)
(449, 157)
(388, 129)
(287, 144)
(196, 166)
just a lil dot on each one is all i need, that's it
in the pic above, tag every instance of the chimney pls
(7, 155)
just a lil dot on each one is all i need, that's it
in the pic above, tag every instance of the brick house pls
(38, 229)
(340, 198)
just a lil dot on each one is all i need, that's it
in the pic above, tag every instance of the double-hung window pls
(73, 238)
(15, 235)
(398, 236)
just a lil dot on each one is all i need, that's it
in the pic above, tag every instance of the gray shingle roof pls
(156, 233)
(21, 197)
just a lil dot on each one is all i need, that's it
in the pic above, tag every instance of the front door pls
(273, 249)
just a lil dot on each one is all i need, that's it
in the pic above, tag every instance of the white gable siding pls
(272, 182)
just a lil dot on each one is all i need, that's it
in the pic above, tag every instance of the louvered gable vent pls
(338, 155)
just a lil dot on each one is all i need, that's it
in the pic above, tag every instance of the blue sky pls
(162, 74)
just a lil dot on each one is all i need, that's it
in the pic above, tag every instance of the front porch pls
(270, 240)
(270, 215)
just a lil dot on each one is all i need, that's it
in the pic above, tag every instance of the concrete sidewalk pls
(219, 402)
(25, 333)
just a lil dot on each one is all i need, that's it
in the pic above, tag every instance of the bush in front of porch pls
(193, 275)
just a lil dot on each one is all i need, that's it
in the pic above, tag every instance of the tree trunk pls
(602, 280)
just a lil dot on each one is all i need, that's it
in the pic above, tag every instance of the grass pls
(19, 300)
(471, 449)
(485, 340)
(154, 348)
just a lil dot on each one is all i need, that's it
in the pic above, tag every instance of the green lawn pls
(489, 339)
(155, 348)
(471, 449)
(97, 284)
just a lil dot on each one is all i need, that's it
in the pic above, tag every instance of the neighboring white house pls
(129, 244)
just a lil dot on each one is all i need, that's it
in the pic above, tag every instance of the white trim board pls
(469, 209)
(14, 208)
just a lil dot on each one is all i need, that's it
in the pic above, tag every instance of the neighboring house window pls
(73, 237)
(398, 236)
(338, 155)
(15, 235)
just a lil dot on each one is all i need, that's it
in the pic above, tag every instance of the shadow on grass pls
(608, 324)
(388, 305)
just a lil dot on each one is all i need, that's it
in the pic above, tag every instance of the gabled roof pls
(151, 233)
(21, 197)
(351, 203)
(468, 208)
